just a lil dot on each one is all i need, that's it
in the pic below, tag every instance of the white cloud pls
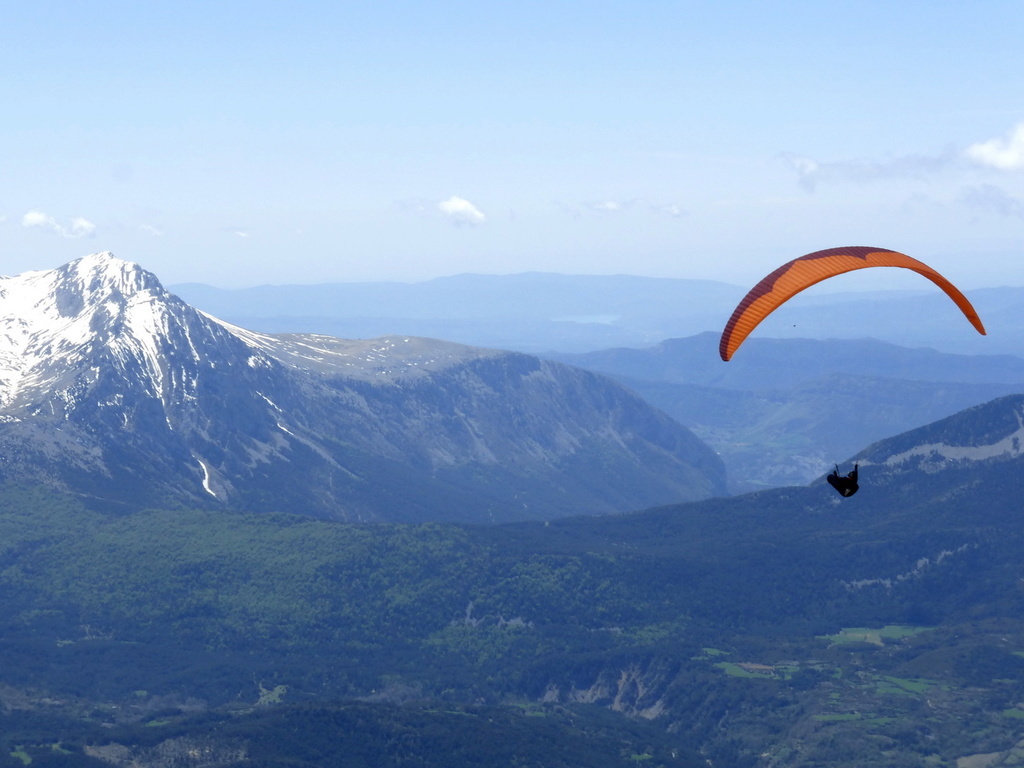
(810, 172)
(149, 229)
(807, 170)
(38, 219)
(1006, 154)
(79, 227)
(461, 211)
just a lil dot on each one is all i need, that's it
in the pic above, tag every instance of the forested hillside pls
(786, 627)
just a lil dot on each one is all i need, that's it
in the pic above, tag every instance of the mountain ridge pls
(989, 432)
(120, 390)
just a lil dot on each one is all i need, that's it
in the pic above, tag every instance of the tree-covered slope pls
(785, 627)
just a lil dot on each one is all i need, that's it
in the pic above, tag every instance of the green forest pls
(776, 628)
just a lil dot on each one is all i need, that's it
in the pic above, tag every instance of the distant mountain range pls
(113, 388)
(541, 312)
(531, 312)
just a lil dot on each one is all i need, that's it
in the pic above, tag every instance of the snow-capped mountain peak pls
(38, 298)
(55, 324)
(99, 276)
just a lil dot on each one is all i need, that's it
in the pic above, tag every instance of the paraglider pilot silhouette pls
(846, 486)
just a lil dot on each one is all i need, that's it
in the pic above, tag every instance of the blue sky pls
(240, 143)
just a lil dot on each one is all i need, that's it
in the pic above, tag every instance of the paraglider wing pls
(798, 274)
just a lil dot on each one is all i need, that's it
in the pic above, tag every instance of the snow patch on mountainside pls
(206, 478)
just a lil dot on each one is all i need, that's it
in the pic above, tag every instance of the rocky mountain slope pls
(113, 388)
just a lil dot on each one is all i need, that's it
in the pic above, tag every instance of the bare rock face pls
(113, 388)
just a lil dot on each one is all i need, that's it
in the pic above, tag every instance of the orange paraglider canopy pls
(798, 274)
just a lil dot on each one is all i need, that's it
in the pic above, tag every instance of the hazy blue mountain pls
(529, 312)
(540, 312)
(113, 387)
(530, 295)
(925, 319)
(770, 364)
(782, 410)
